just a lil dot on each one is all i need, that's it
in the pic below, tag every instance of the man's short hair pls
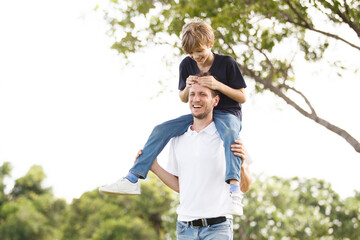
(195, 34)
(214, 93)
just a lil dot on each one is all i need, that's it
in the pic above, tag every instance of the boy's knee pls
(158, 129)
(230, 134)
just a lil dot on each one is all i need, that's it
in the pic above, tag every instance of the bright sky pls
(69, 104)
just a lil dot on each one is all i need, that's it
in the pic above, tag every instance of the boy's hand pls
(191, 80)
(208, 81)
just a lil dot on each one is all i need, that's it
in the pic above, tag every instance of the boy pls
(197, 41)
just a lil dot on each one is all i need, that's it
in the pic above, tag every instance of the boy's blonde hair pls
(196, 33)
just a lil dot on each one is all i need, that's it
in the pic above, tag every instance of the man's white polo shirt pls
(198, 159)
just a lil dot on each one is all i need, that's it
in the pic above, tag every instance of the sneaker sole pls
(118, 193)
(235, 212)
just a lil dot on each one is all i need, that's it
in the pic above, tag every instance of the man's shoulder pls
(177, 139)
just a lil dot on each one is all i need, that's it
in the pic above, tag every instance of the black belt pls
(203, 222)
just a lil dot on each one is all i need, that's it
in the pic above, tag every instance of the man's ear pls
(216, 100)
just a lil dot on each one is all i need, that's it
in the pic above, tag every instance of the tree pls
(146, 216)
(252, 32)
(5, 170)
(278, 208)
(275, 208)
(30, 211)
(30, 184)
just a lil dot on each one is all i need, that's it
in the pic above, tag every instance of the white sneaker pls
(235, 205)
(122, 186)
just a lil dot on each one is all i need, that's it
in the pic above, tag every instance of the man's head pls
(196, 35)
(202, 101)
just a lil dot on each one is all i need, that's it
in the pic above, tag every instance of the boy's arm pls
(170, 180)
(184, 94)
(237, 95)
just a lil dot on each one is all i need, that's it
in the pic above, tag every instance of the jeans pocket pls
(181, 227)
(227, 225)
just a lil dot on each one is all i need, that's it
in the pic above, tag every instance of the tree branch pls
(313, 116)
(351, 24)
(313, 112)
(310, 27)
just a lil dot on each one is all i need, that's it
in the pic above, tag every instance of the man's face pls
(201, 101)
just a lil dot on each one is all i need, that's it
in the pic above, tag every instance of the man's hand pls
(239, 150)
(138, 155)
(155, 163)
(245, 175)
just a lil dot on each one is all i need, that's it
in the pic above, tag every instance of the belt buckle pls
(203, 223)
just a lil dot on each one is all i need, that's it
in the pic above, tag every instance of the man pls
(196, 169)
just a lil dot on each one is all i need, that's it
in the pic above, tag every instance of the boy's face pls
(201, 54)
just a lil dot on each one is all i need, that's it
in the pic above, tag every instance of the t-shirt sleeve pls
(234, 76)
(183, 75)
(172, 166)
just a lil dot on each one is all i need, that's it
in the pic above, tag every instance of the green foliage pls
(278, 208)
(30, 184)
(30, 211)
(252, 32)
(5, 170)
(124, 228)
(275, 208)
(263, 36)
(145, 216)
(23, 221)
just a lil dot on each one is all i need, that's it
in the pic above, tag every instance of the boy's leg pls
(156, 142)
(229, 127)
(158, 139)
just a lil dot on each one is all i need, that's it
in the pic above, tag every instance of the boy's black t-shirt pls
(224, 69)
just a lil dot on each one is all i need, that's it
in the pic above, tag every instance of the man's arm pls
(170, 180)
(246, 178)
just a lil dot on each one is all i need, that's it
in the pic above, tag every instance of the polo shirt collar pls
(210, 129)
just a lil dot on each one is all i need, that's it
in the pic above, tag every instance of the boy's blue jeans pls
(227, 124)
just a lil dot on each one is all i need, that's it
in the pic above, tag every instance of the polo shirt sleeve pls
(172, 166)
(234, 76)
